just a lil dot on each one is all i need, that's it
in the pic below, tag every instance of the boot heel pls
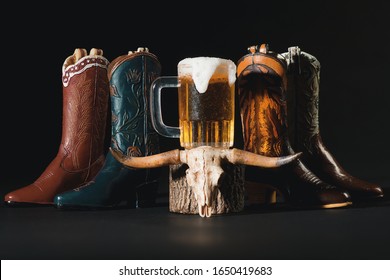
(131, 203)
(130, 197)
(260, 194)
(147, 194)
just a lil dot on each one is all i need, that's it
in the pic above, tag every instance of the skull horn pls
(237, 156)
(162, 159)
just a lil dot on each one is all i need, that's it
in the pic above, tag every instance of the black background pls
(349, 39)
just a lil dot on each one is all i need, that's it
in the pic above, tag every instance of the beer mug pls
(206, 89)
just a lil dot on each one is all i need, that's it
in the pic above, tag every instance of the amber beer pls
(206, 102)
(207, 118)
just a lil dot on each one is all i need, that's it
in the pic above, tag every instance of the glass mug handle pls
(155, 105)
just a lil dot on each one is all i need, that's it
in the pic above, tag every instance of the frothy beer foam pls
(203, 68)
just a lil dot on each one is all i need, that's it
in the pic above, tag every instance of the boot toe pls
(58, 201)
(376, 191)
(22, 195)
(83, 197)
(369, 193)
(12, 197)
(28, 195)
(66, 199)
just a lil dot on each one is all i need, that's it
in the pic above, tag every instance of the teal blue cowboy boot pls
(132, 133)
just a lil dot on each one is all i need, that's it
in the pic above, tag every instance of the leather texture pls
(81, 152)
(262, 85)
(304, 129)
(130, 77)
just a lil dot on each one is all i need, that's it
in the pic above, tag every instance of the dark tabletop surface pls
(357, 232)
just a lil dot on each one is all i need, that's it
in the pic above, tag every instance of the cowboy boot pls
(303, 98)
(130, 77)
(81, 152)
(262, 84)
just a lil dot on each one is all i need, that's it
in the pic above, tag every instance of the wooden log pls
(230, 197)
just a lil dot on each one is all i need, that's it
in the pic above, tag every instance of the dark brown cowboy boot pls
(303, 99)
(81, 152)
(262, 84)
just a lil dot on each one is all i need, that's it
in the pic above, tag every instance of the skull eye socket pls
(192, 177)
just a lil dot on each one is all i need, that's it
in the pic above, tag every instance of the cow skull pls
(205, 171)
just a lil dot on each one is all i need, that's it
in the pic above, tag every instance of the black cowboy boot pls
(130, 77)
(303, 100)
(262, 84)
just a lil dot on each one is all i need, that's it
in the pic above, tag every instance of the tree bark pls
(230, 197)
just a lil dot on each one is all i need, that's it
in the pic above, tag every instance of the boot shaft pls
(262, 88)
(85, 105)
(130, 77)
(302, 97)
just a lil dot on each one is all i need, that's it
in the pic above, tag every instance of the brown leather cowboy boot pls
(81, 152)
(303, 100)
(262, 84)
